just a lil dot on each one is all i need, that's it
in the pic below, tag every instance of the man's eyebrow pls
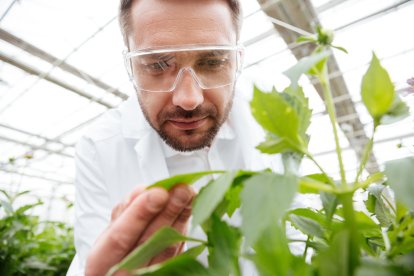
(212, 53)
(160, 56)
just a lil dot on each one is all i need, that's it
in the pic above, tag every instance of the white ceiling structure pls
(61, 67)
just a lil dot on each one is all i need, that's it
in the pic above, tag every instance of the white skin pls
(163, 23)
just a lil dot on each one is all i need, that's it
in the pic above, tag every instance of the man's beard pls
(204, 139)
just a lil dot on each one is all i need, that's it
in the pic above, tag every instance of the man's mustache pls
(180, 113)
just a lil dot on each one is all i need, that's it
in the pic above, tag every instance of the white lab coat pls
(122, 151)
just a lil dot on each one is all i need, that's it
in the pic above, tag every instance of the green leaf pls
(320, 67)
(233, 196)
(400, 174)
(366, 226)
(377, 267)
(310, 214)
(300, 267)
(334, 261)
(189, 179)
(398, 111)
(273, 145)
(329, 203)
(369, 232)
(181, 265)
(310, 184)
(370, 203)
(269, 195)
(304, 66)
(320, 177)
(340, 48)
(401, 237)
(24, 208)
(376, 204)
(286, 116)
(195, 251)
(377, 89)
(401, 210)
(272, 256)
(406, 261)
(307, 226)
(37, 264)
(275, 115)
(296, 98)
(278, 113)
(225, 246)
(6, 194)
(155, 244)
(306, 39)
(210, 197)
(8, 208)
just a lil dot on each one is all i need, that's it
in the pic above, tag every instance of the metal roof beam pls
(47, 140)
(33, 50)
(56, 81)
(35, 147)
(55, 181)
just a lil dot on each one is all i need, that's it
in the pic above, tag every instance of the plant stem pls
(296, 240)
(366, 154)
(371, 179)
(386, 239)
(310, 156)
(306, 248)
(350, 223)
(323, 78)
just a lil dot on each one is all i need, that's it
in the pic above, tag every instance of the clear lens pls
(160, 71)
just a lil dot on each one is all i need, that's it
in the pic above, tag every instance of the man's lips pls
(188, 124)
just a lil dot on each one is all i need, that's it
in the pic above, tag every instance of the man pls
(183, 58)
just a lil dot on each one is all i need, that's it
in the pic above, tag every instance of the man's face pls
(189, 117)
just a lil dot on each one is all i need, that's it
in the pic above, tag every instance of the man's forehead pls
(192, 22)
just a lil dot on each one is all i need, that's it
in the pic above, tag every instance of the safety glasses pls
(161, 69)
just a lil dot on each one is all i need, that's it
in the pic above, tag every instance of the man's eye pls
(159, 66)
(212, 64)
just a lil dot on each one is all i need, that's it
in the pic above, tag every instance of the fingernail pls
(181, 196)
(156, 199)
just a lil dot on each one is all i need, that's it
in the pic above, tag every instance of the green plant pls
(344, 241)
(29, 246)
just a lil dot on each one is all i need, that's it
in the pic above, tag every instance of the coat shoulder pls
(106, 126)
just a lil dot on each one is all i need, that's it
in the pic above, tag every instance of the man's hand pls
(135, 220)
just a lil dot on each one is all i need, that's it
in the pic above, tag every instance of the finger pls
(122, 273)
(122, 235)
(180, 224)
(119, 208)
(135, 192)
(117, 211)
(166, 254)
(180, 196)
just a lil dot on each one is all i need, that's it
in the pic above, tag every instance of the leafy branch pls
(344, 241)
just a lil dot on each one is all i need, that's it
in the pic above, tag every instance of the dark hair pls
(125, 11)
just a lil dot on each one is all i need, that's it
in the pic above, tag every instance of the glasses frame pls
(182, 48)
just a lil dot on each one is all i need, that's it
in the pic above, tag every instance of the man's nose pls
(187, 94)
